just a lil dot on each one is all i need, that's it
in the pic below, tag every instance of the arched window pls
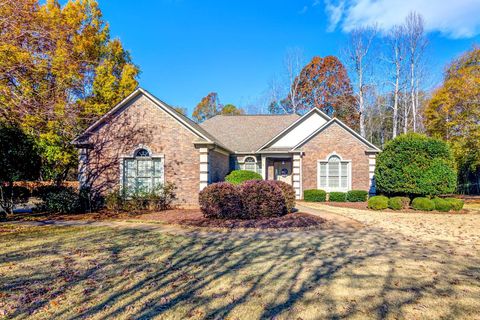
(334, 174)
(250, 164)
(143, 172)
(142, 153)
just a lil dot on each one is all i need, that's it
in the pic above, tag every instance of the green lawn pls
(127, 273)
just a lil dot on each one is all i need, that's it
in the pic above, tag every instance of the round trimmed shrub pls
(315, 195)
(442, 205)
(262, 199)
(414, 164)
(457, 204)
(221, 201)
(239, 176)
(357, 196)
(423, 204)
(337, 197)
(398, 203)
(378, 203)
(288, 193)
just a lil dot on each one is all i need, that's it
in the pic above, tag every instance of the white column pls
(264, 167)
(82, 163)
(371, 168)
(297, 175)
(203, 168)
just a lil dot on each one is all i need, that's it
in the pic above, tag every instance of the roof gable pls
(346, 128)
(185, 121)
(298, 130)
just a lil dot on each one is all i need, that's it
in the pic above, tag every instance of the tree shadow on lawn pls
(335, 273)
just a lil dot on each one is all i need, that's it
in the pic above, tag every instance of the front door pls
(283, 170)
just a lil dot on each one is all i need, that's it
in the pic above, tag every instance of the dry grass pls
(128, 273)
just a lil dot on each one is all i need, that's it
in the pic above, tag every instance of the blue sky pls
(187, 48)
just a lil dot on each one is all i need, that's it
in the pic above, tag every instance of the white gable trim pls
(294, 124)
(162, 105)
(343, 125)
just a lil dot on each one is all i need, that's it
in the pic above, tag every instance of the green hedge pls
(442, 205)
(457, 204)
(398, 203)
(239, 176)
(423, 204)
(357, 196)
(337, 197)
(414, 164)
(314, 195)
(378, 203)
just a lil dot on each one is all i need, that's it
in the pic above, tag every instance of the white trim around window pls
(334, 174)
(250, 163)
(142, 170)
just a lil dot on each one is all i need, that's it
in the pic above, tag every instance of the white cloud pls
(453, 18)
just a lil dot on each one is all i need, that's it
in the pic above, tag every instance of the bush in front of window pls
(337, 197)
(315, 195)
(357, 196)
(237, 177)
(378, 203)
(398, 203)
(262, 199)
(423, 204)
(158, 199)
(221, 201)
(416, 165)
(115, 200)
(288, 193)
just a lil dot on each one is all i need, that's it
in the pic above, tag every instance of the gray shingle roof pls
(247, 133)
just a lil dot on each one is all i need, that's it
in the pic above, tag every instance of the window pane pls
(130, 184)
(144, 168)
(333, 174)
(251, 167)
(144, 184)
(158, 168)
(157, 182)
(323, 174)
(130, 168)
(345, 173)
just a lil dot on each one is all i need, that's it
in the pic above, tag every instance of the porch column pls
(264, 167)
(371, 171)
(203, 168)
(82, 163)
(297, 175)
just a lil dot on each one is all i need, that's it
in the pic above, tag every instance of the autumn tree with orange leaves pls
(323, 83)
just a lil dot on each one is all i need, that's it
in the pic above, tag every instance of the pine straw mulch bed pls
(186, 217)
(194, 218)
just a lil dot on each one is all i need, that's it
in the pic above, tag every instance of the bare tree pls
(396, 54)
(416, 42)
(283, 90)
(357, 52)
(294, 61)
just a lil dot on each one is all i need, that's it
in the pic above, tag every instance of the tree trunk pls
(412, 95)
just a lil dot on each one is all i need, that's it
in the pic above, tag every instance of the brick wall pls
(219, 165)
(142, 124)
(335, 139)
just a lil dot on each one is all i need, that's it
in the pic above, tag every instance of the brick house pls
(143, 141)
